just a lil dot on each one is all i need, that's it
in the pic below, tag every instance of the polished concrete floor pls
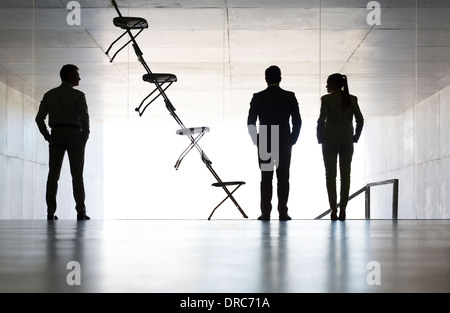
(225, 256)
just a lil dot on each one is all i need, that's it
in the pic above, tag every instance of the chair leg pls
(228, 196)
(188, 149)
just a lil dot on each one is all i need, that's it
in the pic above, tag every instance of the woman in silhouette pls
(336, 133)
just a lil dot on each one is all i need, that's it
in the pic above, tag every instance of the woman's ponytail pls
(345, 93)
(339, 82)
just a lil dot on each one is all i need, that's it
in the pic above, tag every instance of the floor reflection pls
(224, 256)
(337, 273)
(274, 256)
(66, 263)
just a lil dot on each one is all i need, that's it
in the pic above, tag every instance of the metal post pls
(395, 200)
(367, 193)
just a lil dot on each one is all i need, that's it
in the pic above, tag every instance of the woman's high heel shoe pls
(334, 216)
(342, 215)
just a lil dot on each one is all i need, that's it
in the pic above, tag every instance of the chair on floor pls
(231, 183)
(200, 132)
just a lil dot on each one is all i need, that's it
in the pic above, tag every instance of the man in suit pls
(68, 119)
(276, 109)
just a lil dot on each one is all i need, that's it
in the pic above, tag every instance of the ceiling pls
(219, 49)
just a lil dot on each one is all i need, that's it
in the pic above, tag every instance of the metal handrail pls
(366, 189)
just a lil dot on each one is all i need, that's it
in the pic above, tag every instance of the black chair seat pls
(129, 22)
(224, 185)
(160, 78)
(228, 183)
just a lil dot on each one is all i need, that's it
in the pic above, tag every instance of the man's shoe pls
(285, 218)
(264, 218)
(52, 217)
(83, 217)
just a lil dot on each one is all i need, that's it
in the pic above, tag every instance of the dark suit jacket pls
(275, 106)
(334, 122)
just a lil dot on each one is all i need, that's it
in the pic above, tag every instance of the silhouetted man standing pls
(276, 110)
(68, 119)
